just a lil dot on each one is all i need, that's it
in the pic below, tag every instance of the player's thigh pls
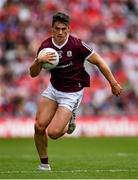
(46, 111)
(60, 120)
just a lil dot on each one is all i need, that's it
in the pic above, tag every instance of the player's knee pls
(54, 133)
(39, 128)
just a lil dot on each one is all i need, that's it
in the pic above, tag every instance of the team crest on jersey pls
(69, 53)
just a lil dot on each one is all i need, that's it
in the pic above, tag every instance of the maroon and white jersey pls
(69, 75)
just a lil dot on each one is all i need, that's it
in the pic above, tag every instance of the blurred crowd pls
(110, 27)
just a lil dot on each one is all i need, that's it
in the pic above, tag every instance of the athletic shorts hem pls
(65, 105)
(49, 97)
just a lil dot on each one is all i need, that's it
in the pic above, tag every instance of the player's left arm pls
(97, 60)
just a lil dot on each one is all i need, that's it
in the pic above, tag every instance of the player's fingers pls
(51, 61)
(117, 93)
(50, 54)
(49, 57)
(53, 58)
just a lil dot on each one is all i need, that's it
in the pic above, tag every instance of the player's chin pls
(60, 39)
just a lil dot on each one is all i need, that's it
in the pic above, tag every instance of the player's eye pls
(63, 29)
(57, 28)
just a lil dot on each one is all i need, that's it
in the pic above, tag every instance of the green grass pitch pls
(71, 158)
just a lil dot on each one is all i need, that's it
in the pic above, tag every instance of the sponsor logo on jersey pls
(65, 65)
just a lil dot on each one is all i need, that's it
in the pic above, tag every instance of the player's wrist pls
(114, 84)
(37, 60)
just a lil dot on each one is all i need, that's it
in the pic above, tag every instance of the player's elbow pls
(33, 73)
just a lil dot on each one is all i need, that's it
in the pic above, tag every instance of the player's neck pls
(60, 43)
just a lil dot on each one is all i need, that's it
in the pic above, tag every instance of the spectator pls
(23, 24)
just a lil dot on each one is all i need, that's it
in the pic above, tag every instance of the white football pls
(47, 65)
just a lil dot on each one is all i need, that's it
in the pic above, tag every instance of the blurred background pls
(110, 27)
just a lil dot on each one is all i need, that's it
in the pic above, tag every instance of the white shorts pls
(68, 100)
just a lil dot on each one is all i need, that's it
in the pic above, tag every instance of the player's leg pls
(71, 101)
(63, 120)
(58, 125)
(46, 111)
(72, 125)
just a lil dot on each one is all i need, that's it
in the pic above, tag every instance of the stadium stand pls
(109, 26)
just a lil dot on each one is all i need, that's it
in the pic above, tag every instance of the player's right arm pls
(35, 68)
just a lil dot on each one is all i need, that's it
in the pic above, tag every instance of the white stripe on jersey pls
(90, 49)
(87, 46)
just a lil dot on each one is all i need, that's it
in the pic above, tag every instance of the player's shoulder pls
(46, 42)
(74, 40)
(79, 43)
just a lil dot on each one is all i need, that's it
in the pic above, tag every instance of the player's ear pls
(68, 28)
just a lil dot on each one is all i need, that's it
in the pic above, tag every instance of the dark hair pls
(61, 17)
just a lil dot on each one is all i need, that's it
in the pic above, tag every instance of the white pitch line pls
(71, 171)
(122, 154)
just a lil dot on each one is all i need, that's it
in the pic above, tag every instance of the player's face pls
(60, 32)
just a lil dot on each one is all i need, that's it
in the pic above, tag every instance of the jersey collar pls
(59, 47)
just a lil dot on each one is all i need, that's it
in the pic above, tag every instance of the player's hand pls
(49, 57)
(116, 89)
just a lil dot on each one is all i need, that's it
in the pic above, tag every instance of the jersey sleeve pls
(40, 48)
(44, 44)
(85, 50)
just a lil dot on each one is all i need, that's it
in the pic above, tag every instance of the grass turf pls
(71, 158)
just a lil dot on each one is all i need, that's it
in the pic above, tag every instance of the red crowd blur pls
(108, 26)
